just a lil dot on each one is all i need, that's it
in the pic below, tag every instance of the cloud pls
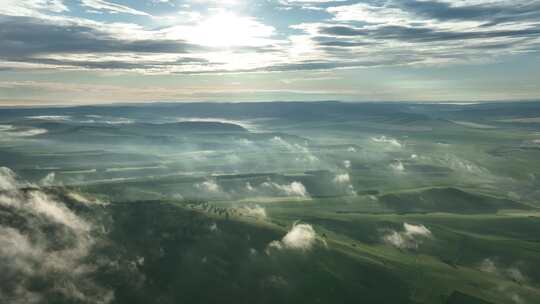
(209, 186)
(9, 132)
(489, 265)
(293, 189)
(253, 211)
(342, 178)
(343, 181)
(46, 248)
(32, 7)
(300, 237)
(215, 38)
(410, 238)
(48, 180)
(397, 166)
(423, 34)
(24, 38)
(51, 117)
(111, 7)
(387, 140)
(375, 30)
(303, 153)
(8, 179)
(416, 230)
(83, 199)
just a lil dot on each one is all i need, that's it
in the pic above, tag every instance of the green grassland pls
(408, 203)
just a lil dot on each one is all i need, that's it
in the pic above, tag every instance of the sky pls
(70, 52)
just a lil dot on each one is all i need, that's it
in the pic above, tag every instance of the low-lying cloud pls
(300, 237)
(391, 142)
(49, 246)
(295, 188)
(255, 211)
(489, 265)
(8, 132)
(209, 186)
(269, 188)
(343, 182)
(409, 238)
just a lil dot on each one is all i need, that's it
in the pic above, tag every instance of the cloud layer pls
(208, 37)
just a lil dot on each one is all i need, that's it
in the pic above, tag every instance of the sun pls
(225, 29)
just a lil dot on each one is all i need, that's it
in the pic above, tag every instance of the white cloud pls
(347, 164)
(209, 186)
(301, 237)
(513, 273)
(79, 197)
(365, 12)
(31, 7)
(293, 189)
(48, 180)
(111, 7)
(51, 117)
(396, 239)
(416, 230)
(342, 178)
(8, 132)
(230, 41)
(42, 204)
(343, 181)
(397, 166)
(410, 238)
(246, 124)
(253, 211)
(387, 140)
(8, 179)
(302, 151)
(33, 254)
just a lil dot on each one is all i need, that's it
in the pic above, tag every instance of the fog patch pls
(8, 179)
(10, 132)
(343, 181)
(209, 186)
(397, 166)
(98, 119)
(48, 247)
(295, 188)
(83, 199)
(48, 180)
(51, 117)
(300, 237)
(410, 238)
(255, 211)
(342, 178)
(489, 265)
(302, 151)
(248, 125)
(391, 142)
(462, 165)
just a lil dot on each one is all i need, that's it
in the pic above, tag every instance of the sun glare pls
(225, 29)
